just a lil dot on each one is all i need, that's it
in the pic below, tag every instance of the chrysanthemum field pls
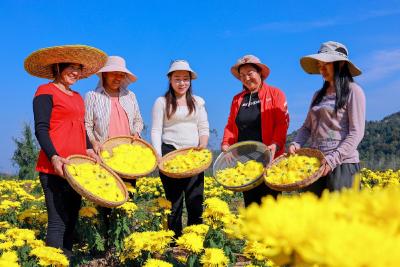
(355, 228)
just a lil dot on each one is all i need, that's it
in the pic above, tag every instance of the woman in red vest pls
(59, 127)
(258, 113)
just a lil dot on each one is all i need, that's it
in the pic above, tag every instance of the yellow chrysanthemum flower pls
(191, 160)
(129, 208)
(130, 158)
(192, 242)
(214, 257)
(9, 259)
(49, 256)
(242, 174)
(156, 263)
(292, 169)
(138, 242)
(88, 212)
(97, 180)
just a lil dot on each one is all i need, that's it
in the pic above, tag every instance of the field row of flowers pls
(354, 228)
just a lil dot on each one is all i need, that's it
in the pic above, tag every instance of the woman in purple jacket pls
(335, 121)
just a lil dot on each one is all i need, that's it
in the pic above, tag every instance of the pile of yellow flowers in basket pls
(191, 160)
(130, 159)
(96, 180)
(242, 174)
(292, 169)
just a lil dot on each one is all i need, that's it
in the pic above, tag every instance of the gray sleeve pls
(356, 113)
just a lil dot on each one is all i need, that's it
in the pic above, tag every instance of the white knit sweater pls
(181, 130)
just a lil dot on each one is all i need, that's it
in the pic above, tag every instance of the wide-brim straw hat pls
(40, 62)
(116, 63)
(329, 52)
(181, 64)
(250, 59)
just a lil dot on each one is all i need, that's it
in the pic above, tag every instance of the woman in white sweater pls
(179, 121)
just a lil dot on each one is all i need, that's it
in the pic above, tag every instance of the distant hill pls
(380, 148)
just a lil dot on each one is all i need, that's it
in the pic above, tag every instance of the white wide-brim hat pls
(181, 64)
(329, 52)
(40, 62)
(250, 59)
(116, 63)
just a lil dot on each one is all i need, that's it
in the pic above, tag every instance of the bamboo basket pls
(243, 152)
(310, 152)
(78, 159)
(110, 143)
(186, 174)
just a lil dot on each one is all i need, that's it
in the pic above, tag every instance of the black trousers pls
(191, 189)
(63, 205)
(341, 177)
(256, 194)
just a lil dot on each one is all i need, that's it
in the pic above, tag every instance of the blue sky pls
(211, 35)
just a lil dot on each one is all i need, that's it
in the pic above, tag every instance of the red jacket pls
(274, 118)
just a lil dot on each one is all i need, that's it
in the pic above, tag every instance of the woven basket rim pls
(249, 185)
(39, 62)
(133, 140)
(182, 174)
(87, 194)
(299, 184)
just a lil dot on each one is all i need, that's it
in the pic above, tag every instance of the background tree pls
(25, 154)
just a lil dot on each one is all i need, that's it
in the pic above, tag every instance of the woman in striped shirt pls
(112, 109)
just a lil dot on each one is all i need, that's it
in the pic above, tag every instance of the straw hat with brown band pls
(40, 62)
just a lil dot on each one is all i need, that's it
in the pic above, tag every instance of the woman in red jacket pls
(59, 127)
(258, 113)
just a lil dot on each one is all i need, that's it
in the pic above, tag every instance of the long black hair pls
(170, 97)
(342, 78)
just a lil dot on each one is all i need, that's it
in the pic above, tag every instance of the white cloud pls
(381, 65)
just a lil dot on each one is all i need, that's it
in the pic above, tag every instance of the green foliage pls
(380, 148)
(25, 154)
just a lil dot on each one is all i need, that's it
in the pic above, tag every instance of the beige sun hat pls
(40, 62)
(116, 63)
(250, 59)
(329, 52)
(181, 64)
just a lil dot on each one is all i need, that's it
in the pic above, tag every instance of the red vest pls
(67, 127)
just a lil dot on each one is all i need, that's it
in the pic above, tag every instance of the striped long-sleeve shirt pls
(98, 112)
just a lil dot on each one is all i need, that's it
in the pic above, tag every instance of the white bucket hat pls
(116, 63)
(329, 52)
(250, 59)
(181, 64)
